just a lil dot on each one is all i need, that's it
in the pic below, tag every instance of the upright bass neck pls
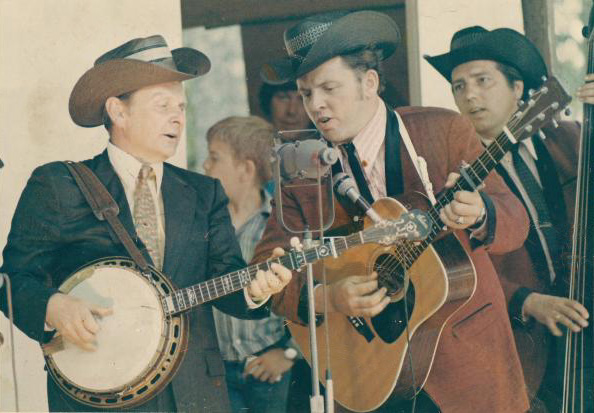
(578, 374)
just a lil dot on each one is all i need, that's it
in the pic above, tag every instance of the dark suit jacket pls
(476, 367)
(525, 269)
(54, 232)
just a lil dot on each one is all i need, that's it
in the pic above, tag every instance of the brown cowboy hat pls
(501, 45)
(319, 38)
(135, 64)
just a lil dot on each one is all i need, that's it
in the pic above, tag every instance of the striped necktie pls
(535, 193)
(145, 214)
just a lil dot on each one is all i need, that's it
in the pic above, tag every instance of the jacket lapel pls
(394, 181)
(107, 175)
(179, 201)
(552, 191)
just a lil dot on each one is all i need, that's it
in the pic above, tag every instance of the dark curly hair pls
(267, 91)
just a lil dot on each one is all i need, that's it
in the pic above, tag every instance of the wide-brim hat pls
(135, 64)
(500, 45)
(319, 38)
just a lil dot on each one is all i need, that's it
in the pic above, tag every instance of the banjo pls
(142, 344)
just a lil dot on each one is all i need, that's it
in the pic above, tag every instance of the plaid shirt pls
(237, 338)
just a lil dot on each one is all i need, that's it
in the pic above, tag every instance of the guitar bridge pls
(362, 327)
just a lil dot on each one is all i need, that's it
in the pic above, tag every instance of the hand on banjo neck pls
(79, 322)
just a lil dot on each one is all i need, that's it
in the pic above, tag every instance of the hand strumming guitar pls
(356, 295)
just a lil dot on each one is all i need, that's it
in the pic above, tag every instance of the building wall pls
(45, 46)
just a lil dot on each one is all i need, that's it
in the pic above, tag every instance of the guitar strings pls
(406, 254)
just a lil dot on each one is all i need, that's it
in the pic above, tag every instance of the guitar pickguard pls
(391, 323)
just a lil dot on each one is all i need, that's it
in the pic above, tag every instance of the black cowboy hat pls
(501, 45)
(319, 38)
(135, 64)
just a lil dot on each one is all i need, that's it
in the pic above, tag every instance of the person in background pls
(283, 107)
(490, 71)
(258, 354)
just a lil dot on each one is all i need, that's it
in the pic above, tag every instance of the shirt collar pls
(266, 207)
(263, 211)
(128, 167)
(370, 139)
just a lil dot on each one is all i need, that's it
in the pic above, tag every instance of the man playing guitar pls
(335, 59)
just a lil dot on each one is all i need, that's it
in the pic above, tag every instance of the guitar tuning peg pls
(540, 116)
(541, 135)
(555, 124)
(528, 128)
(543, 78)
(567, 111)
(521, 102)
(544, 90)
(531, 92)
(531, 102)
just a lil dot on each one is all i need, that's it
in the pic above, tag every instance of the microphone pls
(345, 186)
(301, 158)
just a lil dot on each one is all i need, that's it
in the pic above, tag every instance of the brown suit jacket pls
(476, 367)
(517, 270)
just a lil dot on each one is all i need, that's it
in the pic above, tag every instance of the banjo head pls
(129, 339)
(139, 348)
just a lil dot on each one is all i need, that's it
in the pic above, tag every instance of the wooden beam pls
(539, 27)
(217, 13)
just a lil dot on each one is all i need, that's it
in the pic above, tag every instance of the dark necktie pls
(357, 171)
(536, 196)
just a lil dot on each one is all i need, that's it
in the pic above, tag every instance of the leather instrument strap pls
(105, 208)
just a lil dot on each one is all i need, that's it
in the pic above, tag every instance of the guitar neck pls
(475, 173)
(187, 298)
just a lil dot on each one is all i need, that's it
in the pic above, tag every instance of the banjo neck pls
(411, 226)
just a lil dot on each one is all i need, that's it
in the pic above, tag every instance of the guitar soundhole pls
(390, 274)
(391, 323)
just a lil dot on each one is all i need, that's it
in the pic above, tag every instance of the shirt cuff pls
(516, 305)
(485, 233)
(252, 305)
(303, 308)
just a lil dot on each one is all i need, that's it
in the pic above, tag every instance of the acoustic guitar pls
(392, 353)
(142, 344)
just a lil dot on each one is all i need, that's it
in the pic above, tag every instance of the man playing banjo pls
(176, 218)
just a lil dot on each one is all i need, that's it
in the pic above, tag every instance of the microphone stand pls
(316, 401)
(5, 280)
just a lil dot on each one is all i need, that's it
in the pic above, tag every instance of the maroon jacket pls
(520, 273)
(476, 367)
